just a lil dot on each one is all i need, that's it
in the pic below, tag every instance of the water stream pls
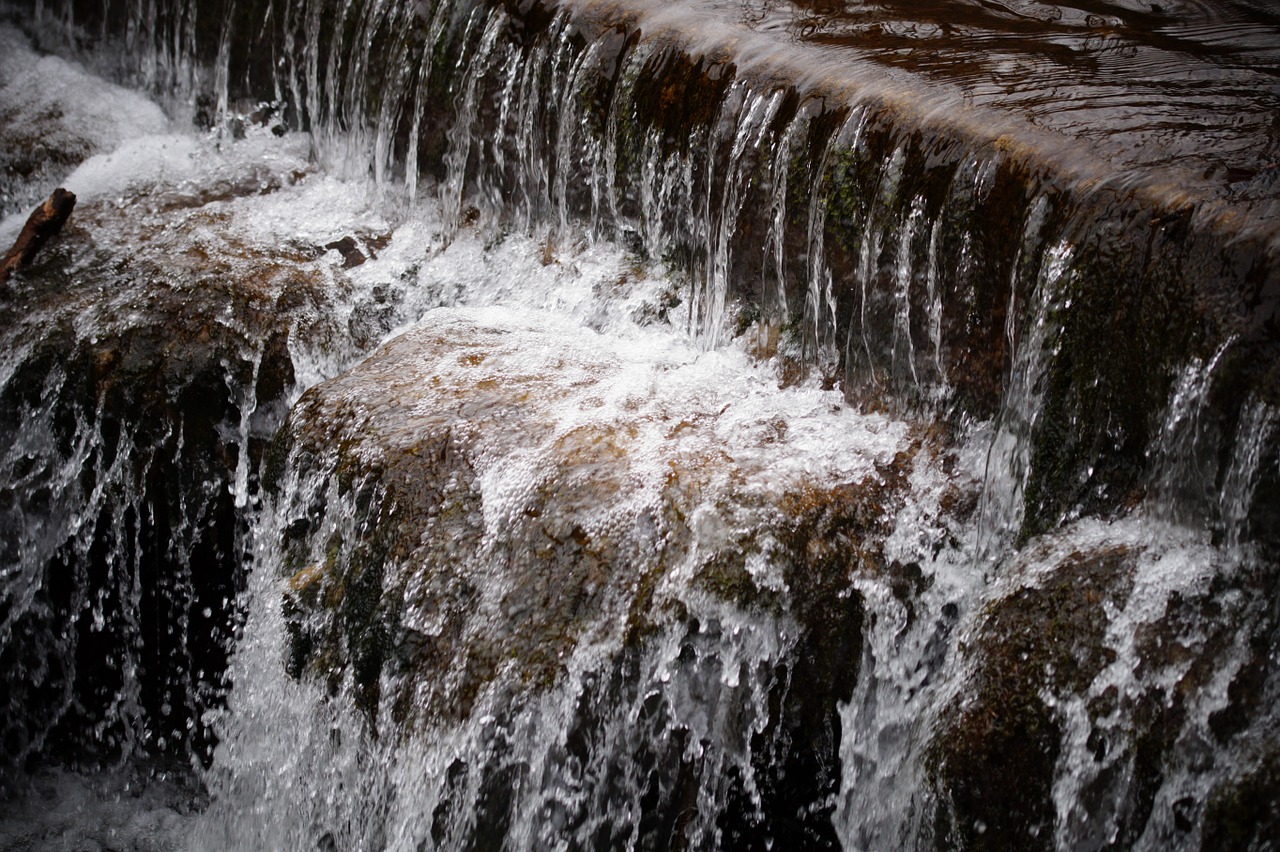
(625, 426)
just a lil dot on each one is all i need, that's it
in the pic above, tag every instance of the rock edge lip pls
(933, 106)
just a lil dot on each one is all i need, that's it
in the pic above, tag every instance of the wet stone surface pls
(1099, 684)
(504, 519)
(486, 496)
(148, 358)
(1186, 84)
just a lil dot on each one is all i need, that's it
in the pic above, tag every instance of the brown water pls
(1195, 84)
(1185, 94)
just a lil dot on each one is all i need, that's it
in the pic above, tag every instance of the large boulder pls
(495, 505)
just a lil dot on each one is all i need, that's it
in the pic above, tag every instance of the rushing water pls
(585, 427)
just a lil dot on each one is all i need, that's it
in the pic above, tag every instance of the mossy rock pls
(993, 759)
(496, 539)
(1045, 653)
(582, 551)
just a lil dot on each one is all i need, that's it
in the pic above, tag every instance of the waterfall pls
(567, 425)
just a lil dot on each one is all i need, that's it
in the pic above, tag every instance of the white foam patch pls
(654, 390)
(100, 112)
(65, 108)
(133, 152)
(44, 88)
(152, 161)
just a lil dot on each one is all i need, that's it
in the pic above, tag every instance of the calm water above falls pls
(1189, 85)
(634, 426)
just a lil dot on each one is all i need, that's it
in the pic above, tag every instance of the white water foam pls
(66, 111)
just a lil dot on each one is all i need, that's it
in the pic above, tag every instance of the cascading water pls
(573, 425)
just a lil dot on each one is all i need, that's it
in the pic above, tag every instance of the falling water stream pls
(712, 425)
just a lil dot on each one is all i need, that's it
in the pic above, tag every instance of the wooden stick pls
(45, 221)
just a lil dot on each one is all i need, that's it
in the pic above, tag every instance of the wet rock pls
(471, 508)
(1100, 676)
(938, 221)
(355, 251)
(995, 760)
(148, 358)
(1244, 811)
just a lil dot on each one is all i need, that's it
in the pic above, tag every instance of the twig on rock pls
(45, 221)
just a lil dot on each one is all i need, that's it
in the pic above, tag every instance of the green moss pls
(725, 576)
(274, 460)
